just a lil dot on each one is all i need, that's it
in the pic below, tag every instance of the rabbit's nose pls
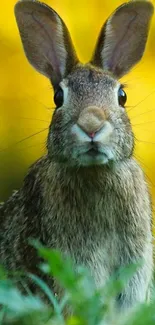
(91, 120)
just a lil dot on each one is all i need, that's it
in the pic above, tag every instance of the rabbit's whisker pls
(143, 141)
(147, 122)
(145, 167)
(146, 112)
(38, 101)
(30, 136)
(141, 103)
(30, 118)
(33, 146)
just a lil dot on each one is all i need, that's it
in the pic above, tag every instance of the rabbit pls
(87, 196)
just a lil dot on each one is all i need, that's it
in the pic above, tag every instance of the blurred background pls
(26, 98)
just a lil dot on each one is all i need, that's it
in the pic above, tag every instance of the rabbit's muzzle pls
(93, 134)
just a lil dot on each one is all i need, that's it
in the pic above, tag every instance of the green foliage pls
(90, 306)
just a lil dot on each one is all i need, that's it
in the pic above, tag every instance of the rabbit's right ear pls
(123, 37)
(46, 40)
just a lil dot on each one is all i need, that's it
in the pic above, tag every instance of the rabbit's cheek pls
(57, 116)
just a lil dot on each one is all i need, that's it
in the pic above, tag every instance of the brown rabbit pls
(87, 196)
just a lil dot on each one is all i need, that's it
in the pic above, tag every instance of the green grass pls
(89, 305)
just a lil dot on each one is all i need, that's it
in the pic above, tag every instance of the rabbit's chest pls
(87, 233)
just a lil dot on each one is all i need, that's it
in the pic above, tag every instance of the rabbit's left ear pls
(122, 40)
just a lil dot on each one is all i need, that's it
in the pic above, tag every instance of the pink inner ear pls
(48, 40)
(45, 39)
(121, 38)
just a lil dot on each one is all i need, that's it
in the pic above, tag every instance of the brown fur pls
(94, 207)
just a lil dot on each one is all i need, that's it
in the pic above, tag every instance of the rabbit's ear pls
(46, 40)
(122, 40)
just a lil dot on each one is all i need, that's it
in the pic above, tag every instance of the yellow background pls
(26, 98)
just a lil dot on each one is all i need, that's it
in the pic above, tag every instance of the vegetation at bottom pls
(90, 306)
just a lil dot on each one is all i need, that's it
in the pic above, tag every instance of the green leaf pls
(44, 287)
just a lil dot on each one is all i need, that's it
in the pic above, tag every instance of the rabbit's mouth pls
(96, 156)
(92, 152)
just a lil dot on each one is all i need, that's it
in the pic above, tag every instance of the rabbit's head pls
(90, 125)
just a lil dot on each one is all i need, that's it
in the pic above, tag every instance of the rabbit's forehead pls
(90, 80)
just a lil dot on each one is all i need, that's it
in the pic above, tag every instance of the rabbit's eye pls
(58, 97)
(122, 97)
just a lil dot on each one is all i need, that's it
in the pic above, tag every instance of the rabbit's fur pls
(94, 207)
